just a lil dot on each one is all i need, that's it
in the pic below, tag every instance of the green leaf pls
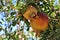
(2, 19)
(17, 2)
(9, 19)
(13, 13)
(26, 21)
(1, 28)
(9, 26)
(2, 2)
(14, 22)
(17, 37)
(53, 14)
(0, 22)
(0, 7)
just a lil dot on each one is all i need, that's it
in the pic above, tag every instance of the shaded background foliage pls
(13, 14)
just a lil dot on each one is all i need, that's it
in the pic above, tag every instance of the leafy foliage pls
(47, 6)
